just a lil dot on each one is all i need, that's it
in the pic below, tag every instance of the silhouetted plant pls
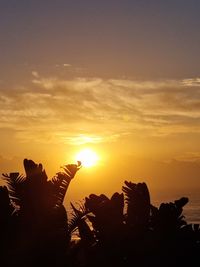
(6, 208)
(61, 182)
(138, 201)
(114, 231)
(136, 231)
(168, 217)
(78, 222)
(107, 216)
(7, 223)
(42, 218)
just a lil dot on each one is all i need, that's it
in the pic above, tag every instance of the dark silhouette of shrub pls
(41, 227)
(124, 230)
(136, 232)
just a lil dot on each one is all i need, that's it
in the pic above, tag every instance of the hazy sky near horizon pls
(121, 77)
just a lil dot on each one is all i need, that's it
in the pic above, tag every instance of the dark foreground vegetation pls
(125, 230)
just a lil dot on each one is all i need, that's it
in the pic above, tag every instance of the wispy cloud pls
(192, 82)
(96, 110)
(189, 157)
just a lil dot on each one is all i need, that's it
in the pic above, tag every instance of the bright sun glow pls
(87, 157)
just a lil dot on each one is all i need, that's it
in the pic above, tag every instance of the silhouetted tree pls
(41, 228)
(124, 230)
(138, 204)
(137, 233)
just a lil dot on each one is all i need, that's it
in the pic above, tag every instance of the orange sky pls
(143, 130)
(120, 77)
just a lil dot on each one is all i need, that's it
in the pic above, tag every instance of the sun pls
(87, 157)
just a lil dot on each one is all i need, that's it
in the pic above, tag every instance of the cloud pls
(35, 74)
(67, 65)
(97, 110)
(189, 157)
(192, 82)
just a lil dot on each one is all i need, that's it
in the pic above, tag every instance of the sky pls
(119, 77)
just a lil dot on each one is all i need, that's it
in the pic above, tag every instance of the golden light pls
(87, 157)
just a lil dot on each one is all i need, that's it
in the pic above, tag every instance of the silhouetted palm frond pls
(6, 208)
(106, 216)
(168, 217)
(16, 186)
(62, 180)
(138, 201)
(79, 222)
(77, 216)
(34, 172)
